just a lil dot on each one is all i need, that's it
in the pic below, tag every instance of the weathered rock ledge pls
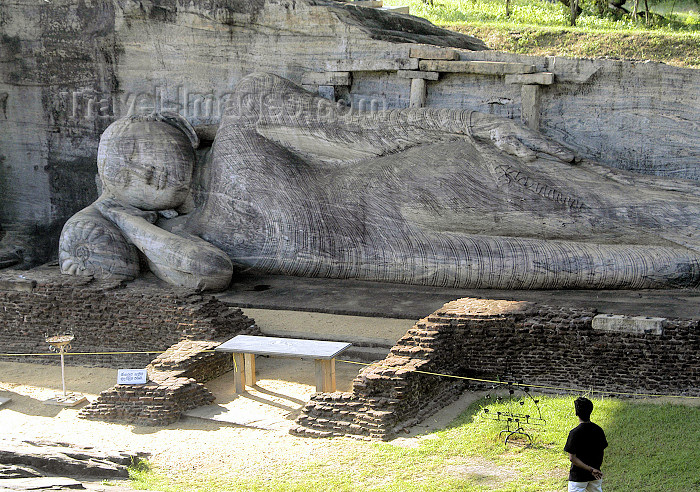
(41, 465)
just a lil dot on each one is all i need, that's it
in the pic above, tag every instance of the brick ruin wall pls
(507, 341)
(173, 387)
(105, 316)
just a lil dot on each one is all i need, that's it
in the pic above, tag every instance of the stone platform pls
(376, 299)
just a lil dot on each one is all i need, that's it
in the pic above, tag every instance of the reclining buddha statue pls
(298, 185)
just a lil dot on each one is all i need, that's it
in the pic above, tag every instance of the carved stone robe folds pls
(297, 185)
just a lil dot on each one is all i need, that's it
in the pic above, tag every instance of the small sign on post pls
(132, 376)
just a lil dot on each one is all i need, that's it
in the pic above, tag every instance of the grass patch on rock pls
(537, 27)
(682, 50)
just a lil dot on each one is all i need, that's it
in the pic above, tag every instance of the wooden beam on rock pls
(476, 67)
(432, 53)
(540, 78)
(417, 74)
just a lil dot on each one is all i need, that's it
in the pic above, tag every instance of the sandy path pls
(205, 447)
(189, 445)
(193, 444)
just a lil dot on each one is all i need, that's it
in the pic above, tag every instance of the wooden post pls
(249, 369)
(325, 375)
(239, 373)
(418, 93)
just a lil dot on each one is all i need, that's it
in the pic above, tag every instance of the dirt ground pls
(259, 444)
(192, 444)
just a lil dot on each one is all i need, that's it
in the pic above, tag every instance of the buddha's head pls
(147, 161)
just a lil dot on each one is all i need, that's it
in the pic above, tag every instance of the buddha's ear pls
(179, 122)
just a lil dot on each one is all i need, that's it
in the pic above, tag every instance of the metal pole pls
(63, 373)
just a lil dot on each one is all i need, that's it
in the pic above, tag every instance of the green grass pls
(543, 13)
(538, 27)
(652, 447)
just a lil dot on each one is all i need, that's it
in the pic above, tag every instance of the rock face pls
(70, 69)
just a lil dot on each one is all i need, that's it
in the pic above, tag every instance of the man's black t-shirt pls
(587, 441)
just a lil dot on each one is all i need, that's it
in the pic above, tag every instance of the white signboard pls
(132, 376)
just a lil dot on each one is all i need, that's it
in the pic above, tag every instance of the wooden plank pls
(239, 373)
(417, 74)
(418, 93)
(325, 375)
(475, 67)
(326, 78)
(540, 78)
(283, 347)
(431, 53)
(249, 360)
(371, 65)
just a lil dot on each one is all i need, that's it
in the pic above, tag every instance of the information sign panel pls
(132, 376)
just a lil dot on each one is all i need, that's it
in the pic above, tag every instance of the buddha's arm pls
(186, 261)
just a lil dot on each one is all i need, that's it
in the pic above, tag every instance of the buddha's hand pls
(516, 139)
(111, 209)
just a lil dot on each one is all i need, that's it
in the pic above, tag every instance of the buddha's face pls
(146, 164)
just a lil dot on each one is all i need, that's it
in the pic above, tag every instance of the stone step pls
(358, 330)
(365, 354)
(356, 340)
(541, 78)
(433, 53)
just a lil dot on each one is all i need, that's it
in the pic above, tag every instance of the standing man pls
(585, 446)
